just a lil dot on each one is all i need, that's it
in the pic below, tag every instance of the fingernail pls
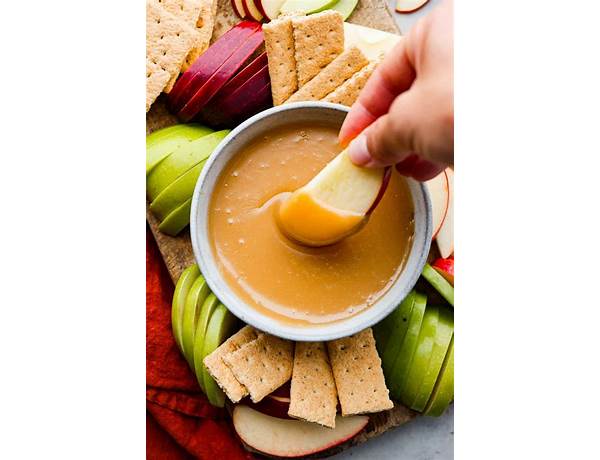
(358, 151)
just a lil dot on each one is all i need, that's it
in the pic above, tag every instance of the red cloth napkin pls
(180, 422)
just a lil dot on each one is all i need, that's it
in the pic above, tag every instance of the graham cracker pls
(348, 92)
(318, 39)
(262, 365)
(168, 41)
(358, 375)
(156, 79)
(279, 43)
(313, 396)
(219, 370)
(205, 24)
(331, 77)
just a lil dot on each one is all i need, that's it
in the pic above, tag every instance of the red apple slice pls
(408, 6)
(220, 77)
(252, 10)
(445, 237)
(445, 267)
(334, 204)
(238, 8)
(270, 8)
(292, 438)
(440, 197)
(276, 406)
(209, 62)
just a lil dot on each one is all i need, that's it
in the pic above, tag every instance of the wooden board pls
(177, 251)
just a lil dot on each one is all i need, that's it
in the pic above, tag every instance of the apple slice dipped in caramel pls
(334, 204)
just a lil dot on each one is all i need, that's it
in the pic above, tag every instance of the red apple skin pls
(413, 10)
(445, 267)
(272, 407)
(220, 77)
(240, 14)
(247, 10)
(387, 174)
(259, 5)
(209, 62)
(283, 390)
(447, 187)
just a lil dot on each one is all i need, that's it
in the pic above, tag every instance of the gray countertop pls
(426, 438)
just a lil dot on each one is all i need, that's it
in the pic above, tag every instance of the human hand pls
(406, 109)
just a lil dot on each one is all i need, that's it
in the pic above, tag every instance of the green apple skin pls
(208, 308)
(177, 220)
(160, 144)
(180, 161)
(443, 392)
(443, 336)
(306, 6)
(401, 364)
(345, 7)
(184, 283)
(419, 363)
(177, 193)
(439, 283)
(221, 326)
(191, 312)
(390, 333)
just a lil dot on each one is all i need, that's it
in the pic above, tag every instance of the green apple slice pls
(439, 283)
(345, 7)
(306, 6)
(177, 193)
(177, 220)
(184, 283)
(180, 161)
(160, 144)
(420, 359)
(220, 327)
(208, 307)
(443, 336)
(401, 364)
(191, 312)
(390, 333)
(443, 392)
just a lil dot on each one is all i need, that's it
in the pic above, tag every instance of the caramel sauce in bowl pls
(278, 285)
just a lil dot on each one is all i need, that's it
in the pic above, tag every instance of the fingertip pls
(359, 152)
(356, 121)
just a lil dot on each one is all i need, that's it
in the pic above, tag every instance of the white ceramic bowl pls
(229, 147)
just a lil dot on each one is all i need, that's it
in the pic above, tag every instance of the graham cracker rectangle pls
(318, 39)
(219, 370)
(348, 92)
(205, 24)
(156, 79)
(331, 77)
(313, 396)
(262, 365)
(279, 43)
(358, 375)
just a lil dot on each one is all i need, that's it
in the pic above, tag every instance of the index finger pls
(392, 77)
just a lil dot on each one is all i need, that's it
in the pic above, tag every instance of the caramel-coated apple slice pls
(334, 204)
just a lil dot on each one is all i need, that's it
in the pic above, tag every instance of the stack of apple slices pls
(175, 157)
(200, 325)
(441, 191)
(221, 87)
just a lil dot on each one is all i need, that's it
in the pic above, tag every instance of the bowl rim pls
(317, 332)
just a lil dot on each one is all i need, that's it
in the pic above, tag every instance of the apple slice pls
(445, 267)
(445, 236)
(180, 161)
(277, 406)
(440, 197)
(160, 144)
(184, 283)
(334, 204)
(177, 220)
(238, 8)
(306, 6)
(345, 7)
(443, 392)
(203, 95)
(209, 62)
(292, 438)
(220, 327)
(372, 42)
(439, 283)
(251, 10)
(209, 305)
(191, 312)
(408, 6)
(270, 8)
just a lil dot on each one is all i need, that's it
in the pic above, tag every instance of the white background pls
(72, 331)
